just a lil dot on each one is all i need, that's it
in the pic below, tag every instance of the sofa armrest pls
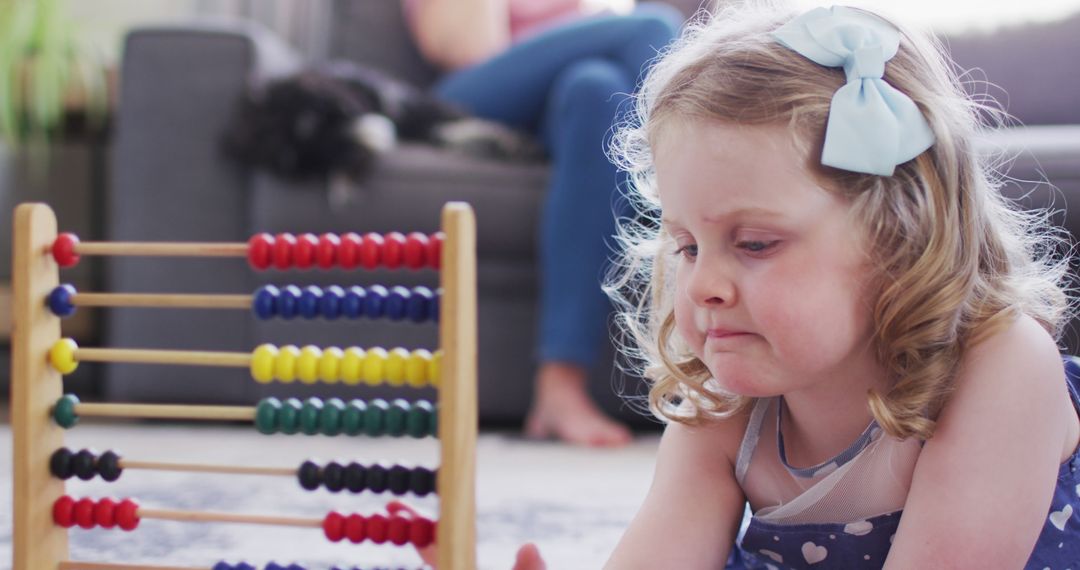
(171, 182)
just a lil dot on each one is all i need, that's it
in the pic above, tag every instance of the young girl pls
(847, 327)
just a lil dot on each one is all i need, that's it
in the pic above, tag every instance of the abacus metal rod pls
(209, 516)
(172, 249)
(207, 468)
(157, 356)
(162, 300)
(166, 411)
(79, 565)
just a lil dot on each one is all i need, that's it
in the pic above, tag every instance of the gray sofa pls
(170, 182)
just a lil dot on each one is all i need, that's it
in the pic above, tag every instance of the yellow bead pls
(262, 363)
(374, 364)
(285, 364)
(417, 370)
(435, 369)
(307, 366)
(395, 366)
(330, 365)
(62, 355)
(352, 364)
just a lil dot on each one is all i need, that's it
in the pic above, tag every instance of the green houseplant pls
(45, 77)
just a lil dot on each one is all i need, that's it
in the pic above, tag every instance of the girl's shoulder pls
(716, 441)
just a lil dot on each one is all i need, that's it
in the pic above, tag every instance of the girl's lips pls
(723, 333)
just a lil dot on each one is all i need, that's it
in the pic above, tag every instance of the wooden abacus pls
(41, 412)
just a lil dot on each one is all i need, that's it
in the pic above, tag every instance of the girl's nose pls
(711, 284)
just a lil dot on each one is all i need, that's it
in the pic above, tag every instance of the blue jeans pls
(568, 85)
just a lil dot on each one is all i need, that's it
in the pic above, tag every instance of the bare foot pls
(562, 409)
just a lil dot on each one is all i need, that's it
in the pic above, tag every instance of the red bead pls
(416, 250)
(63, 511)
(393, 250)
(371, 251)
(355, 528)
(284, 246)
(421, 532)
(63, 249)
(397, 529)
(261, 250)
(349, 252)
(327, 254)
(304, 251)
(105, 513)
(127, 514)
(334, 526)
(376, 528)
(434, 250)
(84, 513)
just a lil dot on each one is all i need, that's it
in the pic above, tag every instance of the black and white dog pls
(337, 117)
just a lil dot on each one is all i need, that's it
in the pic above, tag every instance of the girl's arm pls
(456, 33)
(982, 486)
(692, 512)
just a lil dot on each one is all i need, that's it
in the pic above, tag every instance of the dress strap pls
(750, 438)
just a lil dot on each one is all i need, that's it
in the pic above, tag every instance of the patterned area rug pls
(574, 503)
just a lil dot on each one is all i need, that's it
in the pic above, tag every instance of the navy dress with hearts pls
(795, 523)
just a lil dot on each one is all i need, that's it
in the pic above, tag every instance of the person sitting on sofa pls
(547, 67)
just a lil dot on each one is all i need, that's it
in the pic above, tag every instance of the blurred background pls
(112, 111)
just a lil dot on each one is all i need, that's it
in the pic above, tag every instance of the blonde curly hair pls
(952, 261)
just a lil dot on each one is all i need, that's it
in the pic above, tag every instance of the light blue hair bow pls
(872, 127)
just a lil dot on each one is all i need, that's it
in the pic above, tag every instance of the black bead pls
(108, 466)
(310, 475)
(60, 463)
(377, 478)
(84, 464)
(398, 480)
(355, 477)
(333, 477)
(421, 481)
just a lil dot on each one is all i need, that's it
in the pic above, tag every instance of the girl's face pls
(769, 280)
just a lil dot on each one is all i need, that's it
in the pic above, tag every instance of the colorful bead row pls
(88, 513)
(350, 250)
(335, 417)
(85, 464)
(357, 478)
(379, 529)
(353, 365)
(294, 566)
(396, 304)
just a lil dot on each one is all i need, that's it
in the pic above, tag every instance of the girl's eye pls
(755, 246)
(687, 251)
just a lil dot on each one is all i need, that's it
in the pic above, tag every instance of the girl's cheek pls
(686, 327)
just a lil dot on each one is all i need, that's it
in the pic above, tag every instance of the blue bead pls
(419, 304)
(353, 304)
(375, 303)
(289, 301)
(309, 302)
(433, 309)
(274, 566)
(60, 300)
(222, 566)
(264, 301)
(244, 566)
(294, 567)
(330, 305)
(395, 303)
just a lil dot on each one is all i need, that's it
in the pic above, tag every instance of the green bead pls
(266, 415)
(375, 417)
(352, 420)
(64, 411)
(416, 423)
(433, 422)
(310, 416)
(330, 422)
(395, 417)
(289, 416)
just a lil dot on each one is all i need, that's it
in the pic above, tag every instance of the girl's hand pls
(528, 556)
